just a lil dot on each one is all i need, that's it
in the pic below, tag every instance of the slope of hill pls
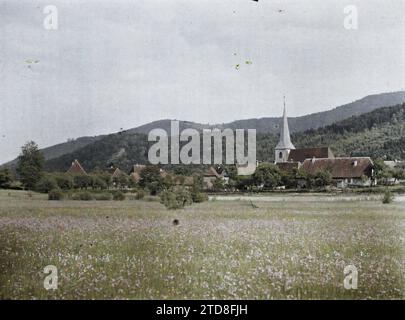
(379, 134)
(62, 148)
(297, 124)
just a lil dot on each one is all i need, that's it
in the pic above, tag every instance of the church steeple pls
(284, 145)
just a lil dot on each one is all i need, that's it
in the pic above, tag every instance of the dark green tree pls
(30, 165)
(268, 175)
(5, 178)
(152, 179)
(323, 178)
(46, 184)
(64, 181)
(82, 181)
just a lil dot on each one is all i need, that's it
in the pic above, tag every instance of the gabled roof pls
(135, 176)
(76, 168)
(285, 141)
(117, 173)
(288, 166)
(340, 167)
(308, 153)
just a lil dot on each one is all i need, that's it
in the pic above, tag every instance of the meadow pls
(287, 247)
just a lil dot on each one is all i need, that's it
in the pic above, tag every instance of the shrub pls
(55, 194)
(84, 195)
(82, 181)
(176, 198)
(199, 197)
(46, 184)
(103, 196)
(118, 196)
(388, 197)
(64, 181)
(98, 183)
(323, 178)
(140, 195)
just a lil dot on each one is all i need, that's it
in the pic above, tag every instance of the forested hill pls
(262, 125)
(379, 134)
(297, 124)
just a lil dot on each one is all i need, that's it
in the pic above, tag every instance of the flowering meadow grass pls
(284, 249)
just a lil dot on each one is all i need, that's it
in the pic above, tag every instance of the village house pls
(137, 169)
(211, 175)
(186, 181)
(345, 171)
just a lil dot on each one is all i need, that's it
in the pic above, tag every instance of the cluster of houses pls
(209, 176)
(345, 171)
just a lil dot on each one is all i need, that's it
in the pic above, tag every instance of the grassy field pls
(290, 248)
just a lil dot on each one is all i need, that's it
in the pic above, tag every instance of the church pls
(345, 171)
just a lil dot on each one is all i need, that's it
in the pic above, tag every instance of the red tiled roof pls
(76, 168)
(340, 167)
(307, 153)
(288, 166)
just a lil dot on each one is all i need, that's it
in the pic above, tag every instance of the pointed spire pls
(285, 141)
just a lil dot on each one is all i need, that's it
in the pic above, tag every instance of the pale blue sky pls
(119, 64)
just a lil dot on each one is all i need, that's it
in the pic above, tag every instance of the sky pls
(119, 64)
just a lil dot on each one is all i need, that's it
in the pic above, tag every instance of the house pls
(186, 181)
(348, 171)
(137, 169)
(135, 172)
(76, 168)
(209, 178)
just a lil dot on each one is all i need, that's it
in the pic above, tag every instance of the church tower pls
(284, 146)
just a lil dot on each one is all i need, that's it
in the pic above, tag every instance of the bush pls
(140, 195)
(46, 184)
(103, 196)
(118, 196)
(98, 183)
(55, 194)
(82, 181)
(84, 196)
(388, 197)
(176, 198)
(64, 181)
(199, 197)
